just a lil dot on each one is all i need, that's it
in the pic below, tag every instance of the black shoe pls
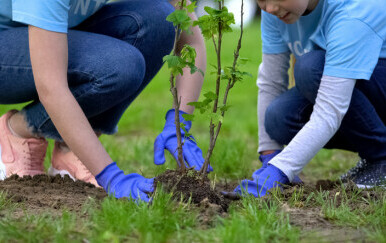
(367, 174)
(351, 173)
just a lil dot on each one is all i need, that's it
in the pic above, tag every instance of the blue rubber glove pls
(192, 154)
(269, 178)
(265, 159)
(116, 183)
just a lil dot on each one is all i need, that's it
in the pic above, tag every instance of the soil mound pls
(191, 186)
(42, 192)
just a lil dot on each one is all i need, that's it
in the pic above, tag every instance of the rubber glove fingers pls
(159, 150)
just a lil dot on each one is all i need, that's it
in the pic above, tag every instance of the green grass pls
(235, 157)
(257, 221)
(367, 212)
(164, 220)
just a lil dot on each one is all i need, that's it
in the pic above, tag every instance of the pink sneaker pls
(65, 162)
(21, 156)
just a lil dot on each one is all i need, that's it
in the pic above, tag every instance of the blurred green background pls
(235, 155)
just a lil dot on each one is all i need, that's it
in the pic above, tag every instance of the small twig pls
(178, 182)
(231, 82)
(204, 169)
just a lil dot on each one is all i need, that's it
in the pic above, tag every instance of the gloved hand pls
(115, 182)
(265, 159)
(192, 154)
(269, 178)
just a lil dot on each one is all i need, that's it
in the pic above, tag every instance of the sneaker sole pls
(369, 187)
(3, 172)
(53, 172)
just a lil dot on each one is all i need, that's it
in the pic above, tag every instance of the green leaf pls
(181, 18)
(210, 95)
(193, 69)
(175, 64)
(172, 60)
(195, 104)
(188, 54)
(191, 7)
(188, 117)
(224, 108)
(216, 118)
(183, 127)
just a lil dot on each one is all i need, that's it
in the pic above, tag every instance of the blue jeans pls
(363, 128)
(113, 55)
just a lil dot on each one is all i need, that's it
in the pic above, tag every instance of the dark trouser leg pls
(363, 128)
(105, 73)
(154, 38)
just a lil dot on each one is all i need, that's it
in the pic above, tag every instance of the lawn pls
(348, 215)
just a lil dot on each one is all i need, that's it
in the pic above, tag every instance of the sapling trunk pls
(176, 101)
(231, 81)
(217, 92)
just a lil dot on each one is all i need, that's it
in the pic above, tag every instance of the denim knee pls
(124, 74)
(101, 61)
(275, 125)
(160, 34)
(155, 37)
(164, 29)
(153, 27)
(308, 73)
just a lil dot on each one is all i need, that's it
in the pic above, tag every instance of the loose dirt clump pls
(326, 185)
(191, 186)
(43, 193)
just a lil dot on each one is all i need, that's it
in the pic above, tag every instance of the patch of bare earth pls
(42, 194)
(315, 228)
(310, 218)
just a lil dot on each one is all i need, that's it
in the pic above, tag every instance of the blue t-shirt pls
(53, 15)
(352, 32)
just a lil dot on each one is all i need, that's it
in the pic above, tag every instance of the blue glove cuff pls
(276, 174)
(169, 117)
(265, 158)
(107, 174)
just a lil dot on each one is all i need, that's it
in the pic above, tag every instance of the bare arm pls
(49, 59)
(189, 85)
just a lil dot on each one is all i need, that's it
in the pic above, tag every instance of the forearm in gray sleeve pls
(272, 81)
(332, 102)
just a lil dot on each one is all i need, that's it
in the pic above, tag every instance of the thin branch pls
(204, 169)
(231, 82)
(176, 103)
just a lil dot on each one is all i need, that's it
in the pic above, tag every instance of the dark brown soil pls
(43, 193)
(191, 186)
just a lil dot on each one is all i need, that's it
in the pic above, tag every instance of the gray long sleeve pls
(332, 102)
(272, 81)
